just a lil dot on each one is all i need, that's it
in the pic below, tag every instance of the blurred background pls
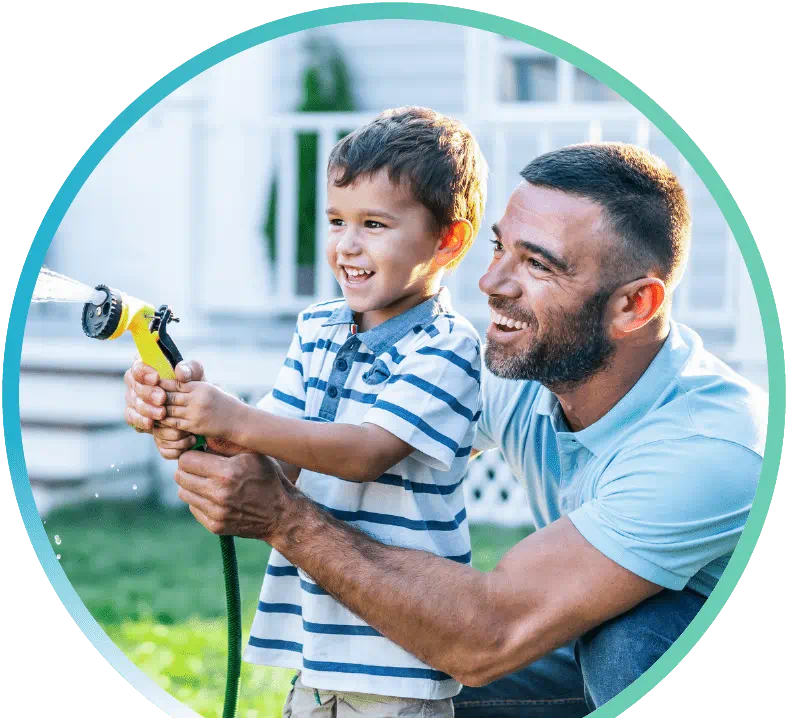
(212, 203)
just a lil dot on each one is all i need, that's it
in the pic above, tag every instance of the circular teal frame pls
(391, 11)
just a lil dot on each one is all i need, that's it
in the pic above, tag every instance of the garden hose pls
(119, 313)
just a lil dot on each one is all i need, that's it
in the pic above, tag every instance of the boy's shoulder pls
(447, 328)
(312, 319)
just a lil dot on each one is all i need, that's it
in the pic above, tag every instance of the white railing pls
(545, 124)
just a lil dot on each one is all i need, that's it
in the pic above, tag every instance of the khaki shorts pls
(302, 702)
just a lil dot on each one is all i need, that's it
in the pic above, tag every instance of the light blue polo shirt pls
(663, 483)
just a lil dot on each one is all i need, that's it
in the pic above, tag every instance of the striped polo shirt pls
(416, 375)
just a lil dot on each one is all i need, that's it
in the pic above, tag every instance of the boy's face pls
(381, 247)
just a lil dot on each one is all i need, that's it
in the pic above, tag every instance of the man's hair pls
(644, 204)
(434, 156)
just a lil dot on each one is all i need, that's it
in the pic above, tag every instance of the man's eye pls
(496, 244)
(536, 264)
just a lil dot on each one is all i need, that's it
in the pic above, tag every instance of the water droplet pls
(45, 523)
(96, 495)
(134, 486)
(58, 557)
(112, 466)
(57, 540)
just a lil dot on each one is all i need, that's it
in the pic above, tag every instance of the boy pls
(374, 411)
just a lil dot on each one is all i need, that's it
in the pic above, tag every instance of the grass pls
(152, 578)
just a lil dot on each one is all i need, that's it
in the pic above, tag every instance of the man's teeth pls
(357, 272)
(505, 321)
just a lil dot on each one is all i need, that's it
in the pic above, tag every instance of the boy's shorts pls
(303, 702)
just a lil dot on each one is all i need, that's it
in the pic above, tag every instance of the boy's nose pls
(348, 244)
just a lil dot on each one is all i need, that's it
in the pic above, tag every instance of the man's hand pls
(244, 495)
(197, 407)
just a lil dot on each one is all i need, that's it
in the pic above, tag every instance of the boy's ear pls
(454, 240)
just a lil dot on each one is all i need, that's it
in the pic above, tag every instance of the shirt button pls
(332, 392)
(341, 365)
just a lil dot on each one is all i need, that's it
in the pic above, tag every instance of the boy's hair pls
(436, 156)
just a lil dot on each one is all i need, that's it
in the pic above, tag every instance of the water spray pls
(108, 315)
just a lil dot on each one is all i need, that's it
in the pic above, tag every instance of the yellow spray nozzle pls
(119, 313)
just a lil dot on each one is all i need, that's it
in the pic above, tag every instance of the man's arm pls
(551, 587)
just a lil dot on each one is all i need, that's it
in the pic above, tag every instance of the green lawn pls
(152, 578)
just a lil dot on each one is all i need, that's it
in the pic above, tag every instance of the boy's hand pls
(145, 406)
(201, 408)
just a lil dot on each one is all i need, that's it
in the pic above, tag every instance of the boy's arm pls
(356, 453)
(428, 407)
(352, 452)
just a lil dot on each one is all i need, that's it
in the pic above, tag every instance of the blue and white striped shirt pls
(416, 375)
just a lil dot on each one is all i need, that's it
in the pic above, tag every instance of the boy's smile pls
(382, 244)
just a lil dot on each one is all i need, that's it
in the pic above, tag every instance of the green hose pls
(233, 591)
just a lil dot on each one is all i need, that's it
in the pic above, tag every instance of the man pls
(639, 451)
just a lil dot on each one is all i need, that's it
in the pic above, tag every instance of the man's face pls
(545, 291)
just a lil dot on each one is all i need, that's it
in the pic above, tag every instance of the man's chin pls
(503, 361)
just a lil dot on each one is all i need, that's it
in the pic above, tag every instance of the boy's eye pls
(373, 224)
(336, 222)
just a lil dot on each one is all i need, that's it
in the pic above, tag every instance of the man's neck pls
(590, 401)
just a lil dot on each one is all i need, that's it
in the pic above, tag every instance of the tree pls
(326, 87)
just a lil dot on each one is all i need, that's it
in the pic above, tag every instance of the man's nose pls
(498, 280)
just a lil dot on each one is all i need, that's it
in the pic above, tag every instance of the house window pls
(589, 89)
(531, 79)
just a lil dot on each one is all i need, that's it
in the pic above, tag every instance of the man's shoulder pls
(712, 400)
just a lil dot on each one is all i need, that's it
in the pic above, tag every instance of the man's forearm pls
(435, 608)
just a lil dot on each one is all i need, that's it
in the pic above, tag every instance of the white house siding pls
(391, 62)
(173, 215)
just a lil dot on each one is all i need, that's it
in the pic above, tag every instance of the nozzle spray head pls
(101, 320)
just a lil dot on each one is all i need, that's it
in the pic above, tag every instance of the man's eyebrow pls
(559, 263)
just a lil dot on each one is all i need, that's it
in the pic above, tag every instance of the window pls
(531, 79)
(589, 89)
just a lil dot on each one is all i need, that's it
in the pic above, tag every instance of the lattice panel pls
(493, 495)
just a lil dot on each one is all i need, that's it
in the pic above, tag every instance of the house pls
(175, 213)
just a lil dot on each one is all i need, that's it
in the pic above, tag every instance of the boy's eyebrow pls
(373, 212)
(559, 263)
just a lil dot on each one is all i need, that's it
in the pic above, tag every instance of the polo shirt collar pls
(384, 336)
(635, 404)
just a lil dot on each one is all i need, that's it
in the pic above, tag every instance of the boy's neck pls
(371, 319)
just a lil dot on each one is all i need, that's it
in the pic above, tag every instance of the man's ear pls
(636, 303)
(453, 241)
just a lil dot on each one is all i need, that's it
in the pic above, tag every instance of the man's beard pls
(574, 351)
